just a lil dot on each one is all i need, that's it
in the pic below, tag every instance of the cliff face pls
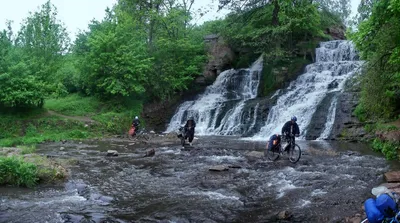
(336, 32)
(220, 55)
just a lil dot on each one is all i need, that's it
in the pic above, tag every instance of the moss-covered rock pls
(277, 75)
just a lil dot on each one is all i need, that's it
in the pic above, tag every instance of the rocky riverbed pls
(175, 184)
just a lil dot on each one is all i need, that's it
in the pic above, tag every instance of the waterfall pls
(219, 110)
(336, 61)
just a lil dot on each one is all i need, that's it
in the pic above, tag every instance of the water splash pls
(219, 110)
(336, 61)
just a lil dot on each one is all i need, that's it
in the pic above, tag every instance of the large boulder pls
(112, 153)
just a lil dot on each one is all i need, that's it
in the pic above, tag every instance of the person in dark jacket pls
(274, 141)
(189, 129)
(136, 123)
(290, 128)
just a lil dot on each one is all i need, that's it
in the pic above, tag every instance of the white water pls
(336, 61)
(219, 110)
(330, 121)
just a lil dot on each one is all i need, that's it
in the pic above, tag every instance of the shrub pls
(15, 171)
(389, 149)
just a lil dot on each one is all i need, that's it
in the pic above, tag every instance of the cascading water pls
(219, 110)
(336, 61)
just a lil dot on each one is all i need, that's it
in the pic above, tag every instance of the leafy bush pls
(389, 149)
(15, 171)
(360, 112)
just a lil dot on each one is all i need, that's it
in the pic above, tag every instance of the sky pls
(76, 14)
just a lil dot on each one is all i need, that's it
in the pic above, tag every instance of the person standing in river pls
(189, 129)
(136, 123)
(291, 129)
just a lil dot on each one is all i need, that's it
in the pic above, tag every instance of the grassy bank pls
(386, 140)
(70, 118)
(20, 167)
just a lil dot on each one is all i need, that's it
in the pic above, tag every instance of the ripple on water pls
(219, 159)
(214, 195)
(318, 192)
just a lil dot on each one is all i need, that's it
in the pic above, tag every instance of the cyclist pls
(291, 129)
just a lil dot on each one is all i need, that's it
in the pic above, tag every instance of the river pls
(330, 182)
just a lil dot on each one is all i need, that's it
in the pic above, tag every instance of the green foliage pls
(16, 131)
(15, 171)
(377, 39)
(360, 112)
(74, 105)
(119, 120)
(275, 75)
(380, 127)
(389, 149)
(30, 61)
(28, 149)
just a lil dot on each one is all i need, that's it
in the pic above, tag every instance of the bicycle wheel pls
(272, 154)
(294, 154)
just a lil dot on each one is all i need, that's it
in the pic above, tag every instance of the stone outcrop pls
(336, 32)
(220, 57)
(346, 125)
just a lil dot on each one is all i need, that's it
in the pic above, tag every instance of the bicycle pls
(292, 149)
(182, 135)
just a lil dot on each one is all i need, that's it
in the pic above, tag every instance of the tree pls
(365, 9)
(342, 8)
(377, 39)
(29, 63)
(45, 39)
(116, 61)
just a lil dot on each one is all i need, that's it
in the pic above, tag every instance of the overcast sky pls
(76, 14)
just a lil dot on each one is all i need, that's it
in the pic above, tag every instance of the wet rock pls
(218, 168)
(255, 154)
(284, 215)
(81, 188)
(72, 218)
(149, 153)
(333, 84)
(112, 153)
(395, 187)
(233, 166)
(392, 177)
(355, 219)
(62, 148)
(103, 199)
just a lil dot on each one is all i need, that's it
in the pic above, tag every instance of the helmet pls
(136, 117)
(294, 118)
(190, 118)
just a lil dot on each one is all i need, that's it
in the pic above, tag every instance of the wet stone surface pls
(328, 184)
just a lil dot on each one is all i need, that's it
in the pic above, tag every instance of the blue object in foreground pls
(373, 213)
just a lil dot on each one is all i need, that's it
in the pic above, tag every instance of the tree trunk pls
(275, 13)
